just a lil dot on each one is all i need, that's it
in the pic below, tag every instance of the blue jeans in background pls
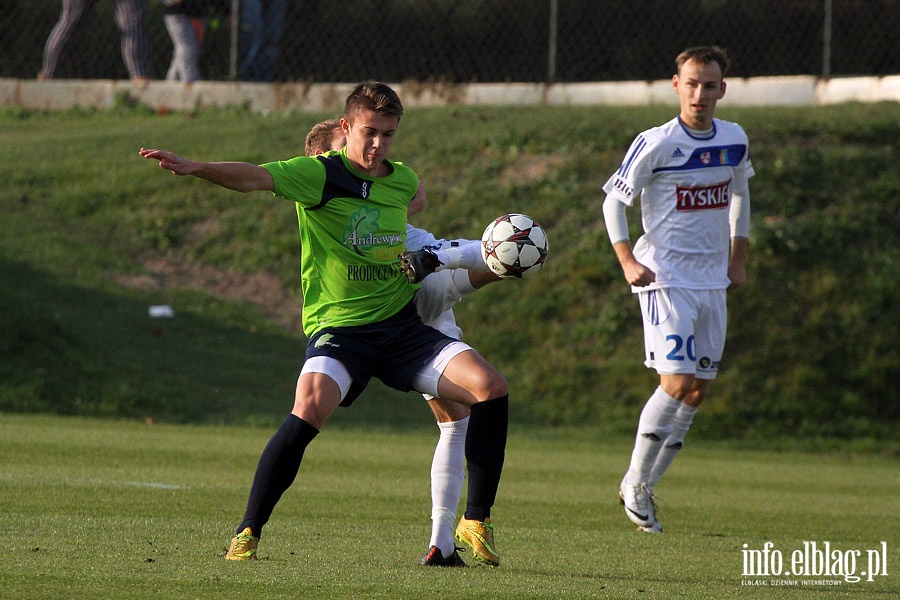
(261, 26)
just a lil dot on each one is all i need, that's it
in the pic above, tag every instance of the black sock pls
(276, 471)
(485, 451)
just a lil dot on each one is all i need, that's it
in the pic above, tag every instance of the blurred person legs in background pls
(186, 21)
(187, 35)
(261, 26)
(130, 17)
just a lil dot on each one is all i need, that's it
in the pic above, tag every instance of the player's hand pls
(170, 161)
(637, 274)
(737, 274)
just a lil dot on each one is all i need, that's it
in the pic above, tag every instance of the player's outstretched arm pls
(237, 176)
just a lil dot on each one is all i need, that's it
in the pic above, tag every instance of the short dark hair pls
(320, 136)
(373, 95)
(704, 55)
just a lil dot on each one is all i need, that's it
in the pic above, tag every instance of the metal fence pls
(489, 40)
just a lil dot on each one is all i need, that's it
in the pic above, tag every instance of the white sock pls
(464, 256)
(654, 427)
(680, 424)
(447, 475)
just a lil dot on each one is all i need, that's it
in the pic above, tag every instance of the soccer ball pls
(514, 245)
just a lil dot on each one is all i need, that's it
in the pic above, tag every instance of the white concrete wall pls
(299, 97)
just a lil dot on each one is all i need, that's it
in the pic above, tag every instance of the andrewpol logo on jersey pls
(702, 197)
(362, 232)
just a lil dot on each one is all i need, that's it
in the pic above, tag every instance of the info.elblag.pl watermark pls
(813, 563)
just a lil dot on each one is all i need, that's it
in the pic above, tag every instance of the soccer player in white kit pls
(462, 271)
(691, 176)
(440, 291)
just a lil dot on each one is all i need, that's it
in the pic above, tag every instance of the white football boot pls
(638, 502)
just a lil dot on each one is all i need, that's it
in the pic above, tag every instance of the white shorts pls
(434, 302)
(439, 293)
(684, 330)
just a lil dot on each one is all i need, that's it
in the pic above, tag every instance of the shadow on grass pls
(71, 350)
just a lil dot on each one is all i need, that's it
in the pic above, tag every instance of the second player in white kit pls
(691, 177)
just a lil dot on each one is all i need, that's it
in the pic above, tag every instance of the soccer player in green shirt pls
(434, 302)
(358, 312)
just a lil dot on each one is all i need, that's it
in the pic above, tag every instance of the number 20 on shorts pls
(679, 346)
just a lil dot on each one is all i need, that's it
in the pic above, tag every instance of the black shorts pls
(393, 350)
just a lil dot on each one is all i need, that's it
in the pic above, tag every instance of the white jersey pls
(416, 239)
(440, 291)
(685, 184)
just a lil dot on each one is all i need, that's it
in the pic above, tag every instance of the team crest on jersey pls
(362, 231)
(705, 158)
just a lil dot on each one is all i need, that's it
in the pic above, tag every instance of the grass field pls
(115, 509)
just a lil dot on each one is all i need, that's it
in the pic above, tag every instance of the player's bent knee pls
(678, 386)
(316, 397)
(469, 378)
(501, 387)
(494, 386)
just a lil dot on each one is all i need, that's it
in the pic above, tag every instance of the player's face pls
(369, 139)
(699, 88)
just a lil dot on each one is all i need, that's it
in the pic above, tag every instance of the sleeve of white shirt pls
(626, 183)
(739, 211)
(417, 238)
(616, 222)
